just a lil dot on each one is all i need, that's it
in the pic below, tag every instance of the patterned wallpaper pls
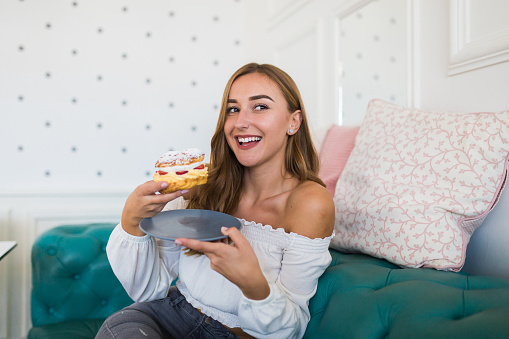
(92, 92)
(373, 51)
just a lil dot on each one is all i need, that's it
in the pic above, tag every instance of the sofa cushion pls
(359, 296)
(334, 152)
(76, 329)
(418, 183)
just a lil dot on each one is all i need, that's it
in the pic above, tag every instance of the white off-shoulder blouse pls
(290, 262)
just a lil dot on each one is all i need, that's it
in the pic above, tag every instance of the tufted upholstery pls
(73, 286)
(358, 297)
(363, 297)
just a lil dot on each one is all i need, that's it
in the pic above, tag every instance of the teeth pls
(242, 140)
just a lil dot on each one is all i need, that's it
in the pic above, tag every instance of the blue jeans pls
(171, 317)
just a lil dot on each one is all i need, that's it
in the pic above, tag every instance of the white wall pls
(305, 38)
(373, 54)
(91, 93)
(480, 89)
(452, 56)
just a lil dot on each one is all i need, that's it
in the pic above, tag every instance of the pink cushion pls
(418, 184)
(336, 149)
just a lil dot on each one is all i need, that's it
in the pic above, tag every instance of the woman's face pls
(257, 121)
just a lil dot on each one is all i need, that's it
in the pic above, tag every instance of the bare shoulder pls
(310, 211)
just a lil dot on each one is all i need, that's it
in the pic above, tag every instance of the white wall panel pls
(297, 55)
(4, 273)
(481, 89)
(479, 34)
(29, 216)
(279, 10)
(374, 53)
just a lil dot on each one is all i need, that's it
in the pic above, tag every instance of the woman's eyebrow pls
(254, 97)
(261, 96)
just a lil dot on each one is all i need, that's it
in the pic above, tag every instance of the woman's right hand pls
(143, 202)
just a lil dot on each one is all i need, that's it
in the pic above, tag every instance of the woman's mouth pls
(247, 142)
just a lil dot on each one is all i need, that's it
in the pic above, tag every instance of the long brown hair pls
(225, 180)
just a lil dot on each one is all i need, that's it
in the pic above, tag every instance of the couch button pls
(51, 251)
(76, 276)
(51, 310)
(103, 302)
(208, 320)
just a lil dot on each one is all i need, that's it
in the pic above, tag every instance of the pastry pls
(181, 169)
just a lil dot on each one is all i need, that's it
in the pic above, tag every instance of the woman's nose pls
(242, 121)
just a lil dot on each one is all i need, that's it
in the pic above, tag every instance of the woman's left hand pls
(237, 262)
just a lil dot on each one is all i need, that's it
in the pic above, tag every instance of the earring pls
(290, 131)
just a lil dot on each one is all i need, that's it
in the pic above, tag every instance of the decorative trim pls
(41, 220)
(348, 7)
(280, 14)
(339, 13)
(413, 52)
(4, 276)
(66, 193)
(467, 54)
(413, 13)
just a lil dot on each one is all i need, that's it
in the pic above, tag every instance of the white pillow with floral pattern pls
(417, 184)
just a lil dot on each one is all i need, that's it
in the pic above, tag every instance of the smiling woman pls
(263, 171)
(260, 121)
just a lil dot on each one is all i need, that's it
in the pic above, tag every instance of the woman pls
(263, 172)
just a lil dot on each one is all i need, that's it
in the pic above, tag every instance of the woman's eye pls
(260, 107)
(231, 110)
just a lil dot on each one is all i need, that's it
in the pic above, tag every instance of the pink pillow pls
(336, 149)
(418, 184)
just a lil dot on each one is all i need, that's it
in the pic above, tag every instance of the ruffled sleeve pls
(145, 266)
(285, 313)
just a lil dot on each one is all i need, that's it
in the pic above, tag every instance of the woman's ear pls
(295, 121)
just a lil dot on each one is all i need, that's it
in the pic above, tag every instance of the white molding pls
(467, 54)
(286, 40)
(348, 7)
(66, 193)
(413, 53)
(4, 276)
(340, 12)
(39, 220)
(277, 15)
(336, 68)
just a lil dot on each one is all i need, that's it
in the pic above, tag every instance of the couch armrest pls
(71, 276)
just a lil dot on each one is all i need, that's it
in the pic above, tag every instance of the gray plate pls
(201, 225)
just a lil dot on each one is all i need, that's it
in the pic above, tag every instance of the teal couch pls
(74, 290)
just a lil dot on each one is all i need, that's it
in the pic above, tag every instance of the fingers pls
(215, 248)
(234, 235)
(150, 188)
(197, 245)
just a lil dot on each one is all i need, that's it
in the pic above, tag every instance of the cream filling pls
(180, 168)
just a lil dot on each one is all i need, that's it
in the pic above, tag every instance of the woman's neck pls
(263, 183)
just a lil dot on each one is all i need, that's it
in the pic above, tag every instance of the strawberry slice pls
(202, 166)
(162, 172)
(181, 172)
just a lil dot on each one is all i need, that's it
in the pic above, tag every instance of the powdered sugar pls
(180, 157)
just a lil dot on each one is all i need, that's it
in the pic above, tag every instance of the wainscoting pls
(23, 217)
